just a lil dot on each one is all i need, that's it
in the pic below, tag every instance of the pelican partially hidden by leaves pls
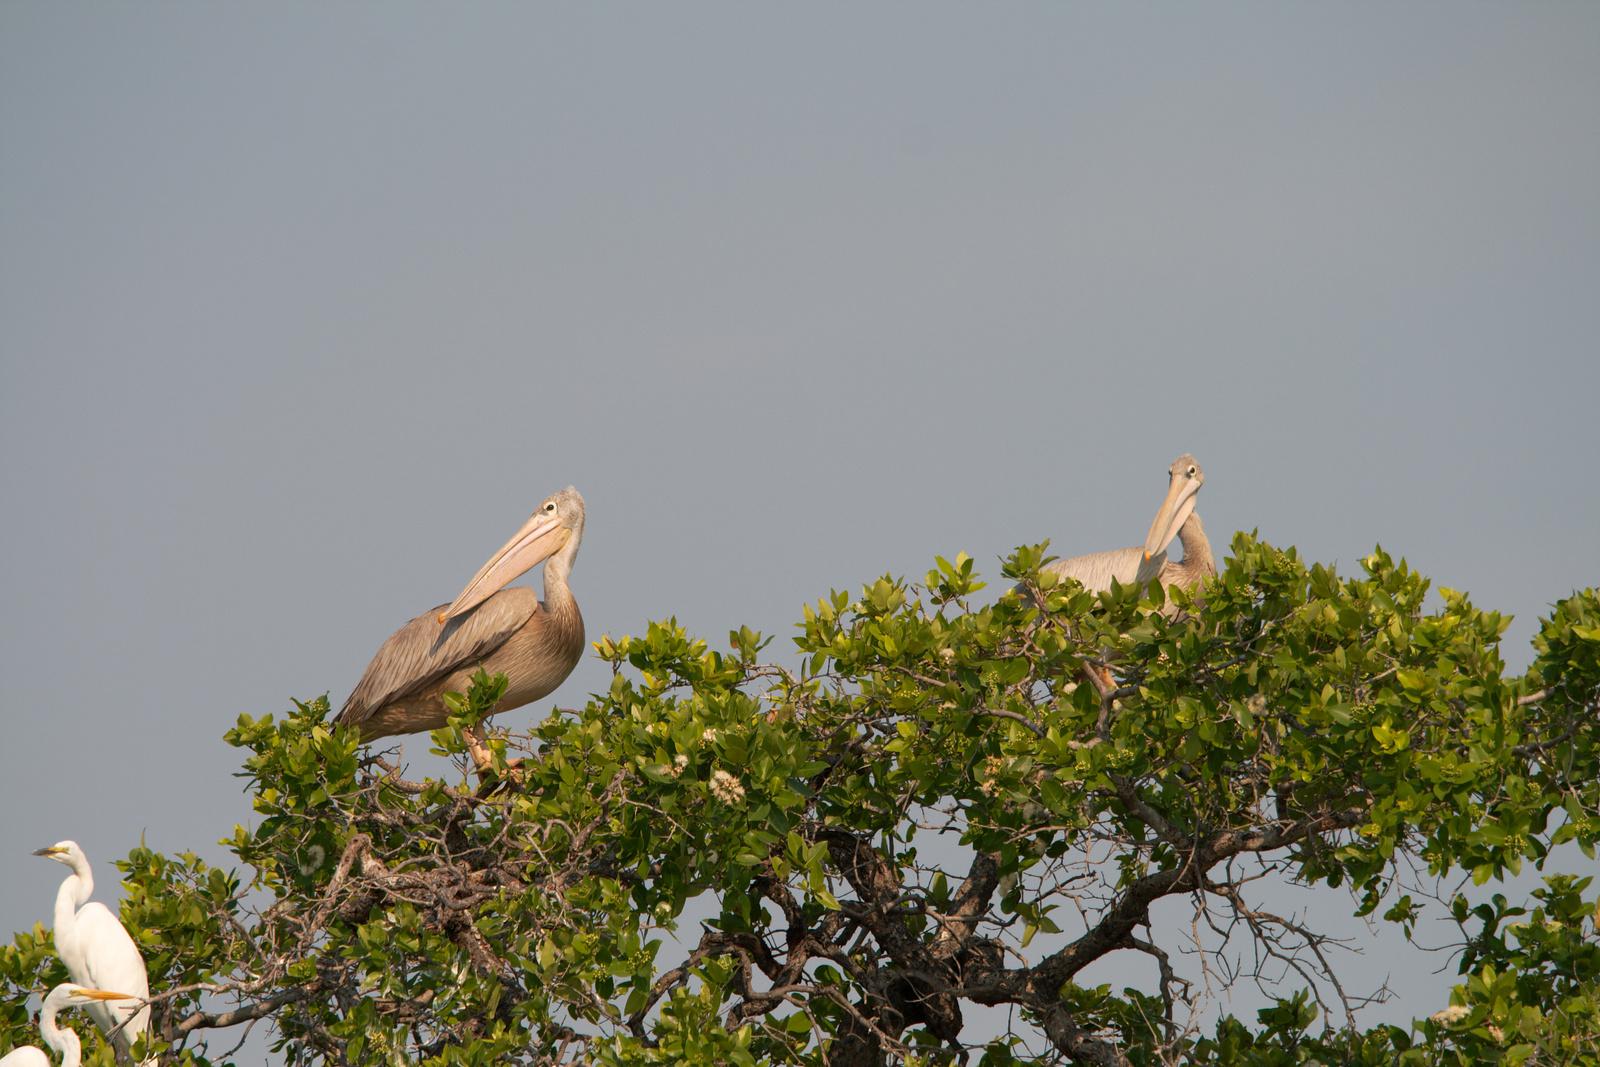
(503, 631)
(1142, 563)
(63, 1040)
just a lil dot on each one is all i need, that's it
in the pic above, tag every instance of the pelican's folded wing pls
(424, 650)
(1096, 569)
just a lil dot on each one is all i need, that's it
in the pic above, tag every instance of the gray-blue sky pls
(302, 308)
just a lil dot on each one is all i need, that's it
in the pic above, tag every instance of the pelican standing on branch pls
(503, 631)
(1142, 563)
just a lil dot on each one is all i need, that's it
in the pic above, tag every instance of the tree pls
(724, 859)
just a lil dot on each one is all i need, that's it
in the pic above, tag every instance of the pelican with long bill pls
(1147, 562)
(502, 630)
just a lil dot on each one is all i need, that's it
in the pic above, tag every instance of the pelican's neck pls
(1196, 548)
(557, 594)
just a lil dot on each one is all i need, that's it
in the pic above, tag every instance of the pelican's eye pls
(1191, 472)
(550, 507)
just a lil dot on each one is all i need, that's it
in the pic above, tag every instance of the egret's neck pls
(75, 891)
(1196, 547)
(557, 594)
(62, 1040)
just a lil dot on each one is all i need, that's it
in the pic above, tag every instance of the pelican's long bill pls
(540, 538)
(1175, 511)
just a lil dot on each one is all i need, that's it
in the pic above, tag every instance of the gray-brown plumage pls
(1141, 563)
(536, 645)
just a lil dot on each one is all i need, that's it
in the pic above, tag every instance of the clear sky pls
(304, 307)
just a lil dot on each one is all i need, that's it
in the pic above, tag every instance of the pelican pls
(1142, 563)
(502, 630)
(97, 950)
(64, 1041)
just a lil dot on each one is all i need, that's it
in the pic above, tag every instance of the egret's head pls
(557, 521)
(1184, 479)
(68, 995)
(66, 852)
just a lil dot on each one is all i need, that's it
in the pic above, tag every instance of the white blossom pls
(726, 788)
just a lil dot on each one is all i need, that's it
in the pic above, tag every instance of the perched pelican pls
(64, 1041)
(1141, 563)
(98, 952)
(501, 630)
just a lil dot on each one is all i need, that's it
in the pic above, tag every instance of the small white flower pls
(709, 736)
(1257, 703)
(1450, 1016)
(726, 788)
(1498, 1034)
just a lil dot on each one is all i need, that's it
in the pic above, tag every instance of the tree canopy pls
(910, 842)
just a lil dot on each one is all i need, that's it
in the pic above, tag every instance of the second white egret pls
(63, 1040)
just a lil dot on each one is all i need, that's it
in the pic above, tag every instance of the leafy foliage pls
(947, 803)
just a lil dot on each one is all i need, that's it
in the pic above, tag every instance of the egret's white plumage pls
(60, 1038)
(98, 952)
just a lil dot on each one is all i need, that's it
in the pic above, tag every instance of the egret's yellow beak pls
(102, 994)
(53, 850)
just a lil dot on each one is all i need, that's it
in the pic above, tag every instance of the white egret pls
(98, 952)
(64, 1041)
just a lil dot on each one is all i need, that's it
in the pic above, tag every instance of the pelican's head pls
(1185, 479)
(66, 852)
(556, 523)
